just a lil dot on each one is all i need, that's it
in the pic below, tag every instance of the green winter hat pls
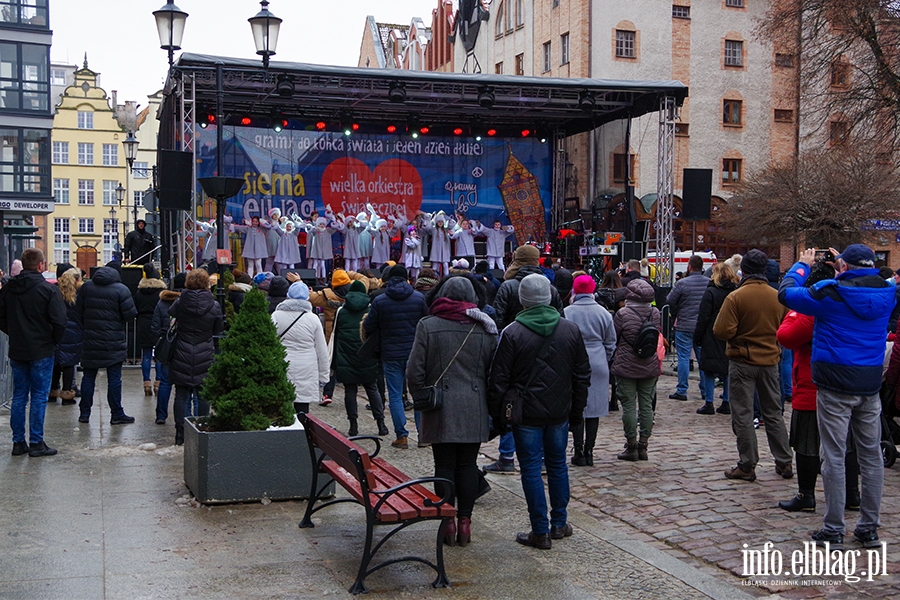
(357, 286)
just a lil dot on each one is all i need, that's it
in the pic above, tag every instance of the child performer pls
(255, 250)
(496, 240)
(413, 252)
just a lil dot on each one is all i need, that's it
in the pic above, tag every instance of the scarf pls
(462, 312)
(759, 276)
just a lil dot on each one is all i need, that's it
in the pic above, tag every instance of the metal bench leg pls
(359, 586)
(442, 581)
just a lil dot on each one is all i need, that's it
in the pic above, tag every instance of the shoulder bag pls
(431, 397)
(164, 350)
(511, 413)
(281, 335)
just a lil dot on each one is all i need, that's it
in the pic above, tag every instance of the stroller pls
(890, 429)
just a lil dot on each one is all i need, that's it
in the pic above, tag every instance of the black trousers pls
(458, 463)
(350, 404)
(68, 378)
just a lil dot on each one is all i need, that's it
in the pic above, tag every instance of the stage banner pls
(303, 171)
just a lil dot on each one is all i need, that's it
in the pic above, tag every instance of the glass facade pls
(27, 13)
(24, 77)
(24, 161)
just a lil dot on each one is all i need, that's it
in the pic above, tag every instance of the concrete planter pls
(246, 466)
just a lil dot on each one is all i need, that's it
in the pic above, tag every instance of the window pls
(61, 191)
(555, 3)
(564, 49)
(24, 77)
(25, 161)
(620, 168)
(110, 238)
(784, 60)
(110, 155)
(141, 170)
(139, 198)
(85, 153)
(57, 77)
(109, 192)
(520, 64)
(734, 53)
(498, 68)
(520, 13)
(60, 153)
(85, 192)
(85, 225)
(24, 12)
(681, 12)
(731, 170)
(498, 25)
(784, 116)
(838, 131)
(61, 240)
(85, 120)
(624, 44)
(735, 3)
(731, 112)
(547, 57)
(508, 19)
(840, 74)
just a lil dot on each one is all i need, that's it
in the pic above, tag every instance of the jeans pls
(507, 446)
(113, 390)
(744, 379)
(548, 443)
(636, 398)
(164, 393)
(785, 368)
(684, 343)
(458, 463)
(395, 380)
(185, 396)
(30, 378)
(861, 415)
(146, 363)
(709, 387)
(328, 390)
(351, 406)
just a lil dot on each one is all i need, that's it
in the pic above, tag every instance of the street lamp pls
(131, 145)
(120, 196)
(114, 226)
(170, 25)
(265, 27)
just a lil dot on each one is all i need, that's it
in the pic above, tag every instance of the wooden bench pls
(388, 496)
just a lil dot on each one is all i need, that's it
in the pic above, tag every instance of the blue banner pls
(303, 171)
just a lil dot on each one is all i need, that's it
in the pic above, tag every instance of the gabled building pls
(383, 45)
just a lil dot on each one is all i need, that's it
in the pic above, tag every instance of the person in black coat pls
(68, 351)
(277, 292)
(139, 244)
(103, 306)
(158, 326)
(198, 319)
(145, 300)
(713, 361)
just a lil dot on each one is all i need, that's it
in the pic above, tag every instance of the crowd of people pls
(540, 355)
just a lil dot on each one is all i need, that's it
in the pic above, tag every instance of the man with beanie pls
(851, 317)
(139, 244)
(748, 322)
(395, 315)
(542, 358)
(33, 315)
(684, 300)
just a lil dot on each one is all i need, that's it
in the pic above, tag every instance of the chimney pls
(114, 99)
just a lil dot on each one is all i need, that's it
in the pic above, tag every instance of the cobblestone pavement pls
(680, 502)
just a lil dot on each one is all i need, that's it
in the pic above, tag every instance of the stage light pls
(348, 125)
(279, 124)
(586, 101)
(415, 135)
(246, 120)
(526, 132)
(284, 86)
(207, 120)
(424, 130)
(397, 91)
(485, 97)
(321, 125)
(491, 132)
(457, 131)
(477, 129)
(392, 129)
(413, 126)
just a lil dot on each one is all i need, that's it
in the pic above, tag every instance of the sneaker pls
(853, 500)
(867, 537)
(122, 419)
(407, 405)
(677, 396)
(401, 443)
(786, 471)
(756, 423)
(706, 409)
(160, 421)
(325, 401)
(738, 473)
(20, 448)
(500, 467)
(834, 540)
(42, 449)
(558, 533)
(724, 408)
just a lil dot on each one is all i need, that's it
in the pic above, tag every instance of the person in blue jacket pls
(851, 321)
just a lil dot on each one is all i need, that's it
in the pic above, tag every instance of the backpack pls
(647, 338)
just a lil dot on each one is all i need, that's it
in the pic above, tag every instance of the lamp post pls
(265, 27)
(115, 228)
(120, 196)
(170, 22)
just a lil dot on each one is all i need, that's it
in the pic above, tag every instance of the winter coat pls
(145, 300)
(561, 378)
(103, 307)
(33, 314)
(796, 333)
(254, 243)
(365, 243)
(307, 351)
(440, 243)
(413, 257)
(161, 318)
(211, 240)
(851, 314)
(351, 242)
(506, 302)
(465, 241)
(236, 293)
(599, 334)
(329, 300)
(628, 322)
(277, 292)
(463, 418)
(321, 242)
(138, 244)
(748, 321)
(395, 314)
(712, 349)
(68, 351)
(496, 240)
(348, 367)
(684, 300)
(288, 250)
(273, 239)
(198, 319)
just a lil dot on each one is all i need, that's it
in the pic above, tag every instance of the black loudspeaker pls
(131, 277)
(175, 172)
(498, 274)
(697, 196)
(632, 251)
(308, 276)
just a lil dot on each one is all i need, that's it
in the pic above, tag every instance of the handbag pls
(511, 406)
(431, 397)
(164, 350)
(281, 335)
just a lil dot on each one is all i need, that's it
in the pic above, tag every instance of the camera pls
(824, 255)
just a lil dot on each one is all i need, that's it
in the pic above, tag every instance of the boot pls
(642, 448)
(805, 500)
(613, 404)
(148, 388)
(382, 428)
(578, 440)
(67, 396)
(354, 429)
(590, 437)
(464, 528)
(630, 453)
(852, 501)
(156, 388)
(450, 532)
(578, 459)
(589, 456)
(179, 436)
(52, 396)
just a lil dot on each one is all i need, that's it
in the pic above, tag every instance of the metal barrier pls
(6, 377)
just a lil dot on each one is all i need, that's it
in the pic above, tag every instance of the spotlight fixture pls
(586, 101)
(413, 127)
(284, 86)
(526, 132)
(321, 125)
(246, 120)
(392, 128)
(348, 125)
(457, 131)
(279, 123)
(486, 97)
(477, 129)
(208, 119)
(491, 132)
(397, 91)
(424, 129)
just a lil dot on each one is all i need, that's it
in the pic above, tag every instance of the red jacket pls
(796, 333)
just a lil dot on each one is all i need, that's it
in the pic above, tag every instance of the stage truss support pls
(185, 234)
(665, 184)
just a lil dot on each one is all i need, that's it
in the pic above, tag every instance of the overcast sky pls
(122, 44)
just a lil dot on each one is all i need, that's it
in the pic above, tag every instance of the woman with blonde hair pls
(713, 361)
(68, 351)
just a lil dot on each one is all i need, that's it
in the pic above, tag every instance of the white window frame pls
(57, 77)
(62, 240)
(110, 155)
(681, 12)
(61, 191)
(110, 238)
(564, 49)
(734, 53)
(85, 153)
(60, 153)
(626, 42)
(85, 192)
(85, 119)
(548, 57)
(734, 3)
(141, 170)
(85, 225)
(109, 192)
(137, 198)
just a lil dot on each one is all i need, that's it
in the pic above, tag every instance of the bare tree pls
(849, 56)
(827, 199)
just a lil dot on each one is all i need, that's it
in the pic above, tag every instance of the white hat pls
(380, 223)
(274, 213)
(321, 221)
(462, 264)
(440, 218)
(362, 217)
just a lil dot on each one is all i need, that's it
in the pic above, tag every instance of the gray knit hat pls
(534, 290)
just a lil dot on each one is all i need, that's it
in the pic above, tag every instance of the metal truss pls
(185, 233)
(665, 184)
